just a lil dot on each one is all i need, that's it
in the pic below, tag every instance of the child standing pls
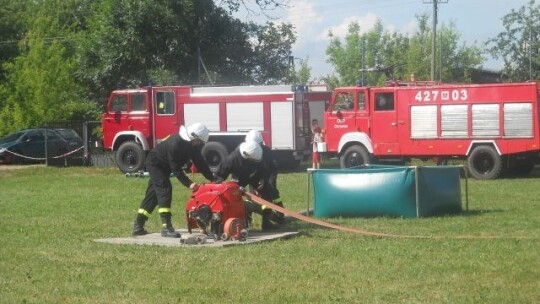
(317, 138)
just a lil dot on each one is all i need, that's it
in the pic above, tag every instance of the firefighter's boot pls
(168, 230)
(250, 207)
(266, 220)
(276, 216)
(138, 226)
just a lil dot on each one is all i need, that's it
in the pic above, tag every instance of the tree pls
(192, 41)
(13, 25)
(455, 61)
(519, 45)
(303, 74)
(40, 87)
(272, 51)
(379, 55)
(340, 56)
(64, 55)
(261, 6)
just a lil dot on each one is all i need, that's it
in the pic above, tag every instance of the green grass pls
(51, 216)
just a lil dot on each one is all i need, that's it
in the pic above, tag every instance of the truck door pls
(385, 124)
(115, 119)
(362, 112)
(165, 114)
(339, 118)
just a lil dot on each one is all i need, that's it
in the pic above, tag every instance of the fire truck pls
(135, 120)
(493, 128)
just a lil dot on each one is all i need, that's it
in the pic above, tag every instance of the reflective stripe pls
(263, 207)
(144, 212)
(163, 210)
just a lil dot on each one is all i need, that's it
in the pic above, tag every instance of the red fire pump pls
(218, 210)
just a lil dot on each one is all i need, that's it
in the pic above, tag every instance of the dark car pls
(73, 139)
(28, 145)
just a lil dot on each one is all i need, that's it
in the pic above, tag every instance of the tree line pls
(59, 59)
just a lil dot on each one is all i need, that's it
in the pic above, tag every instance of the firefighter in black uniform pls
(268, 189)
(245, 166)
(170, 156)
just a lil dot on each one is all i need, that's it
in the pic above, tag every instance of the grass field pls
(50, 218)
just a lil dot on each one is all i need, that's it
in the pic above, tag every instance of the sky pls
(476, 21)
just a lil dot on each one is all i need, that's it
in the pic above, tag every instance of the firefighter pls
(170, 156)
(268, 188)
(244, 165)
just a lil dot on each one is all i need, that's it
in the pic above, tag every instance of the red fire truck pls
(135, 120)
(494, 127)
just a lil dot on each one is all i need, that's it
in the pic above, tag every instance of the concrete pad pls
(157, 239)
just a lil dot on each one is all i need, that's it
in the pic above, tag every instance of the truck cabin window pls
(119, 103)
(344, 102)
(384, 102)
(138, 102)
(165, 103)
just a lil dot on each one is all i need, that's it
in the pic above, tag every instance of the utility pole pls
(530, 53)
(362, 80)
(434, 34)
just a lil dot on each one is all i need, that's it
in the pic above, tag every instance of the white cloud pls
(302, 15)
(366, 23)
(410, 28)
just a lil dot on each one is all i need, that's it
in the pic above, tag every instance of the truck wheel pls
(354, 156)
(214, 153)
(130, 157)
(484, 163)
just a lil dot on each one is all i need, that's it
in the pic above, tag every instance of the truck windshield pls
(119, 103)
(344, 102)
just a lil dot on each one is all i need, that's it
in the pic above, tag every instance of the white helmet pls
(255, 136)
(195, 131)
(251, 150)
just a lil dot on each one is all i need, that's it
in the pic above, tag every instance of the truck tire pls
(130, 157)
(354, 157)
(484, 163)
(214, 153)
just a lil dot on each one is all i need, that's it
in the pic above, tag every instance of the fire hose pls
(307, 219)
(263, 202)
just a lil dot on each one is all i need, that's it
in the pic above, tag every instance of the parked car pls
(28, 145)
(73, 139)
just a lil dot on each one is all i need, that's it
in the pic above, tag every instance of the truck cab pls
(349, 122)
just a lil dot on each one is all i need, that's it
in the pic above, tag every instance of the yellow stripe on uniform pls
(163, 210)
(144, 212)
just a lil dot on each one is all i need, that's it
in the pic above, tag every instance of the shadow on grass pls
(477, 212)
